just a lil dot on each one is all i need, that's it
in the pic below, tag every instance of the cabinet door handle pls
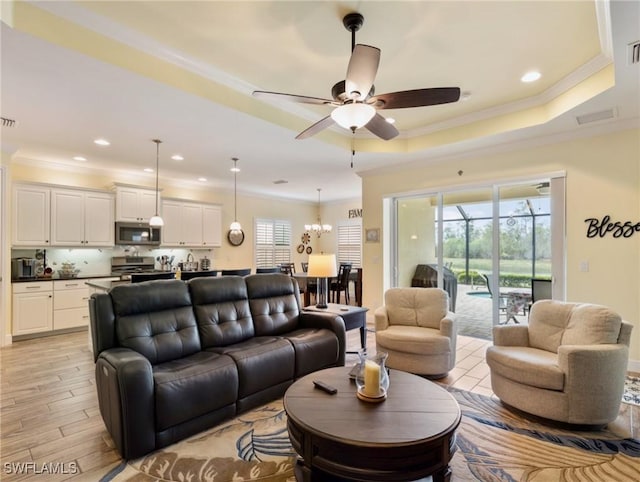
(33, 287)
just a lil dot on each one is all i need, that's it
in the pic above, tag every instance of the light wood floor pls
(49, 409)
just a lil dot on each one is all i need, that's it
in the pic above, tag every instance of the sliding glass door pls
(485, 246)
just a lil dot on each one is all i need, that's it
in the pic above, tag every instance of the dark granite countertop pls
(58, 278)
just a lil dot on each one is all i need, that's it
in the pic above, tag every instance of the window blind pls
(350, 244)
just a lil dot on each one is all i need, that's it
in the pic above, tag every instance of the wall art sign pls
(617, 229)
(355, 213)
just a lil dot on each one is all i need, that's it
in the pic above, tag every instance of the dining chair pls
(341, 283)
(236, 272)
(288, 268)
(267, 270)
(305, 266)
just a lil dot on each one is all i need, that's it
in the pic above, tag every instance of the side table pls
(353, 316)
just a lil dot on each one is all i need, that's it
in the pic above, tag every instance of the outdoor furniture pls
(568, 364)
(488, 279)
(417, 330)
(426, 276)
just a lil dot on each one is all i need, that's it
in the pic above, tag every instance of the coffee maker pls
(22, 268)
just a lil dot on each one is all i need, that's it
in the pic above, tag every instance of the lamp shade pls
(353, 116)
(322, 266)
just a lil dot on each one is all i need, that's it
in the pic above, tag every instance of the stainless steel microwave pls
(137, 234)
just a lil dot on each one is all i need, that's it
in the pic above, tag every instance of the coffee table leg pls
(443, 475)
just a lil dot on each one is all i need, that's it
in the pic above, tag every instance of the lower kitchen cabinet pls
(32, 307)
(70, 304)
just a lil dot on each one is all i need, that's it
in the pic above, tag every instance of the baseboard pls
(633, 366)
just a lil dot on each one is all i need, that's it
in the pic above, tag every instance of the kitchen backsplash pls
(97, 262)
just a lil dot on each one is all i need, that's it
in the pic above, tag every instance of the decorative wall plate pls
(309, 250)
(306, 237)
(300, 248)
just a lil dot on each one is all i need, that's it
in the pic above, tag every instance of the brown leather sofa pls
(174, 358)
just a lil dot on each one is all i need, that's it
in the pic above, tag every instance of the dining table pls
(309, 284)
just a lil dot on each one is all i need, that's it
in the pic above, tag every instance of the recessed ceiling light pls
(390, 120)
(148, 169)
(177, 157)
(530, 76)
(202, 179)
(79, 158)
(102, 142)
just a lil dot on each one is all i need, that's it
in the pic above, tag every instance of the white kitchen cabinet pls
(70, 304)
(31, 215)
(81, 218)
(183, 224)
(135, 204)
(32, 307)
(211, 226)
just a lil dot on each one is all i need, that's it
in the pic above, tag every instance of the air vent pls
(634, 53)
(281, 181)
(596, 116)
(8, 122)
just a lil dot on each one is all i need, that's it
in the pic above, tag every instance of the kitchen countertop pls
(106, 285)
(58, 278)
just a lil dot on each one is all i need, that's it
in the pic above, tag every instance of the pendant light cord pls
(235, 189)
(157, 141)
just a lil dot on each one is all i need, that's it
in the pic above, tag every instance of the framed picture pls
(372, 235)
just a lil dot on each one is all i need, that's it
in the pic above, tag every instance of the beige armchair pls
(417, 330)
(568, 364)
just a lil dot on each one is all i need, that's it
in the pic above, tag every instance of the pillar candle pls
(371, 378)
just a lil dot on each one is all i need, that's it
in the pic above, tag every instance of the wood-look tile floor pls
(49, 417)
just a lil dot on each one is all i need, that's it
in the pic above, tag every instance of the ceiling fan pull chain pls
(353, 151)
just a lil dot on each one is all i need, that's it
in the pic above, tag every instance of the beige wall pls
(602, 178)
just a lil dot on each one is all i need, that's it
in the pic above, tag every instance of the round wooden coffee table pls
(407, 437)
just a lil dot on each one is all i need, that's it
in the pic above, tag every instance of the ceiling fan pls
(354, 99)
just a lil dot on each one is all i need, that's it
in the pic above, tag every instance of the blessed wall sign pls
(618, 229)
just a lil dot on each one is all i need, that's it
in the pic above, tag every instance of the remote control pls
(325, 388)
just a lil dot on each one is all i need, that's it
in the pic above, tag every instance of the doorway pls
(484, 245)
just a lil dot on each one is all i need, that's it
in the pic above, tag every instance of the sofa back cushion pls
(221, 307)
(592, 325)
(156, 319)
(274, 300)
(547, 322)
(425, 307)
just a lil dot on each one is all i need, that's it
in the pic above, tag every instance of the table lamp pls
(322, 266)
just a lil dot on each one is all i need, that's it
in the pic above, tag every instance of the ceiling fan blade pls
(380, 127)
(415, 98)
(302, 99)
(361, 72)
(317, 127)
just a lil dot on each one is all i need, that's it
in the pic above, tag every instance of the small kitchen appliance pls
(23, 268)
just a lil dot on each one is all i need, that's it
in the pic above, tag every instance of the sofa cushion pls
(315, 349)
(591, 325)
(193, 386)
(221, 309)
(413, 339)
(156, 319)
(527, 366)
(274, 300)
(416, 306)
(262, 361)
(547, 322)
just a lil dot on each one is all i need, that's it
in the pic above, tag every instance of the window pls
(350, 244)
(273, 242)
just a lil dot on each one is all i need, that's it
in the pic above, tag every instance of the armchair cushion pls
(412, 339)
(547, 322)
(530, 366)
(592, 325)
(416, 306)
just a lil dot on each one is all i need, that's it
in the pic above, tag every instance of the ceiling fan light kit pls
(354, 98)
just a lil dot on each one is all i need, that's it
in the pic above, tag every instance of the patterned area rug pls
(631, 391)
(493, 444)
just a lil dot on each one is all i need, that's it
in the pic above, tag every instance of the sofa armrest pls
(448, 325)
(335, 323)
(124, 381)
(381, 318)
(511, 335)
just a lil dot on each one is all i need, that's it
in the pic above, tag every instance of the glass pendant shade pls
(156, 221)
(235, 226)
(353, 116)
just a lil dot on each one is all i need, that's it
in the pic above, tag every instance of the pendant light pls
(156, 220)
(235, 235)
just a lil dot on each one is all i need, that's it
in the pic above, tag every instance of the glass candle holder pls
(372, 379)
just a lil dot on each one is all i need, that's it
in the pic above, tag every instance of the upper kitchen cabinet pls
(31, 213)
(189, 224)
(135, 204)
(82, 218)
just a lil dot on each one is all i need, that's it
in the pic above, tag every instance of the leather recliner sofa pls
(174, 358)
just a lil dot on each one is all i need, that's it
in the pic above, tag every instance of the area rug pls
(492, 444)
(631, 391)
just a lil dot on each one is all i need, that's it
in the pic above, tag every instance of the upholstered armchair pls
(417, 330)
(568, 364)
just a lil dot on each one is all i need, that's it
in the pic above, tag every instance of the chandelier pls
(318, 227)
